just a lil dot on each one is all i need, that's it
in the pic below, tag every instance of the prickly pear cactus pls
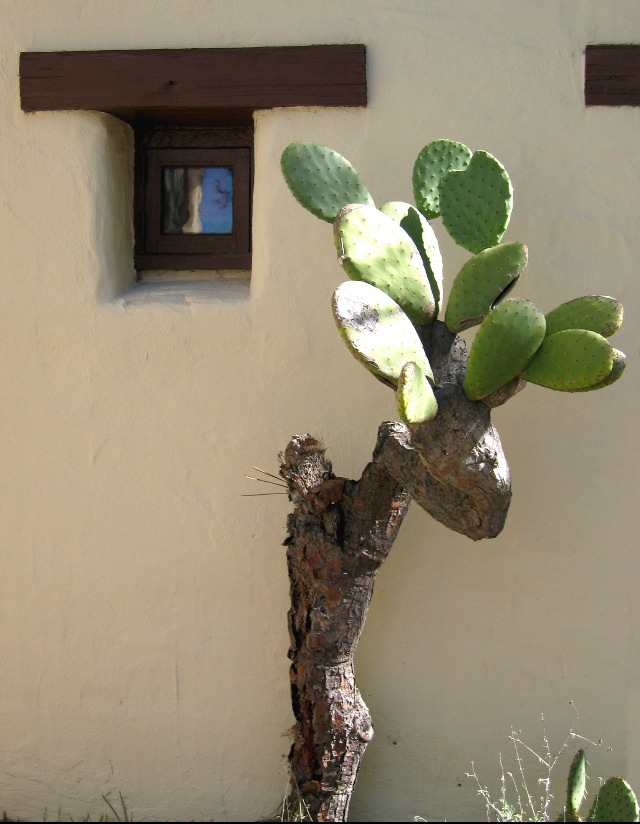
(322, 180)
(576, 786)
(506, 341)
(596, 313)
(415, 398)
(482, 282)
(374, 248)
(572, 360)
(434, 162)
(377, 331)
(420, 231)
(615, 801)
(476, 203)
(393, 256)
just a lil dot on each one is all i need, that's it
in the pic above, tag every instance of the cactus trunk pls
(339, 534)
(331, 573)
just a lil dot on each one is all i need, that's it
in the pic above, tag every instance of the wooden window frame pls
(158, 147)
(188, 99)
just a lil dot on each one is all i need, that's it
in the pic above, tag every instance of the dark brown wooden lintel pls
(612, 75)
(190, 84)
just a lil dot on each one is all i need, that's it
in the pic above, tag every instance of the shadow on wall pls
(113, 232)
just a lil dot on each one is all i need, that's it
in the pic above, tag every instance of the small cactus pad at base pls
(377, 331)
(481, 282)
(571, 360)
(504, 344)
(576, 784)
(415, 398)
(615, 801)
(436, 160)
(476, 203)
(322, 180)
(597, 313)
(421, 233)
(375, 249)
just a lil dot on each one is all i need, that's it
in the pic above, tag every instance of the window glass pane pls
(197, 200)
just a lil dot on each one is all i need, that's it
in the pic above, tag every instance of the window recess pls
(192, 115)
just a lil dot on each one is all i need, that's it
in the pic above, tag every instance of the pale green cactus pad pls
(415, 398)
(476, 203)
(373, 248)
(598, 313)
(481, 282)
(436, 160)
(572, 360)
(420, 231)
(576, 784)
(322, 180)
(377, 331)
(619, 363)
(506, 341)
(615, 801)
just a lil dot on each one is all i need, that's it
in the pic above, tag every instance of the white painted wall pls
(142, 599)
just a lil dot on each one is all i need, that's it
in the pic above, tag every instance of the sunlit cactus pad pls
(571, 360)
(615, 801)
(420, 231)
(597, 313)
(374, 248)
(481, 282)
(619, 363)
(436, 160)
(322, 180)
(576, 785)
(476, 203)
(377, 331)
(504, 344)
(415, 398)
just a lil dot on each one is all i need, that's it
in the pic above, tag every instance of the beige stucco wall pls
(142, 599)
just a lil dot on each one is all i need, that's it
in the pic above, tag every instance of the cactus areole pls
(443, 451)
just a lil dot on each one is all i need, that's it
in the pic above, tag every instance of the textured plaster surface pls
(142, 599)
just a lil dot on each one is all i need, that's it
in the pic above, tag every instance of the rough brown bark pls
(340, 533)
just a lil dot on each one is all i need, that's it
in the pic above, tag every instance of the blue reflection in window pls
(197, 200)
(216, 207)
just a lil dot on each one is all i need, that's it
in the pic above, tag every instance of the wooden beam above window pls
(193, 85)
(612, 75)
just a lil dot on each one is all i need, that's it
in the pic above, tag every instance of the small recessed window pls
(193, 197)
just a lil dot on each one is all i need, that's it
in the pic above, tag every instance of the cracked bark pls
(340, 533)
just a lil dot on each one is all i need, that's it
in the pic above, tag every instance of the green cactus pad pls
(481, 282)
(373, 248)
(377, 331)
(597, 313)
(476, 203)
(507, 339)
(322, 180)
(615, 801)
(415, 398)
(436, 160)
(421, 233)
(571, 360)
(576, 783)
(619, 363)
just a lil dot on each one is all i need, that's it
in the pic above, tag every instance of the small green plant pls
(519, 799)
(124, 814)
(614, 801)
